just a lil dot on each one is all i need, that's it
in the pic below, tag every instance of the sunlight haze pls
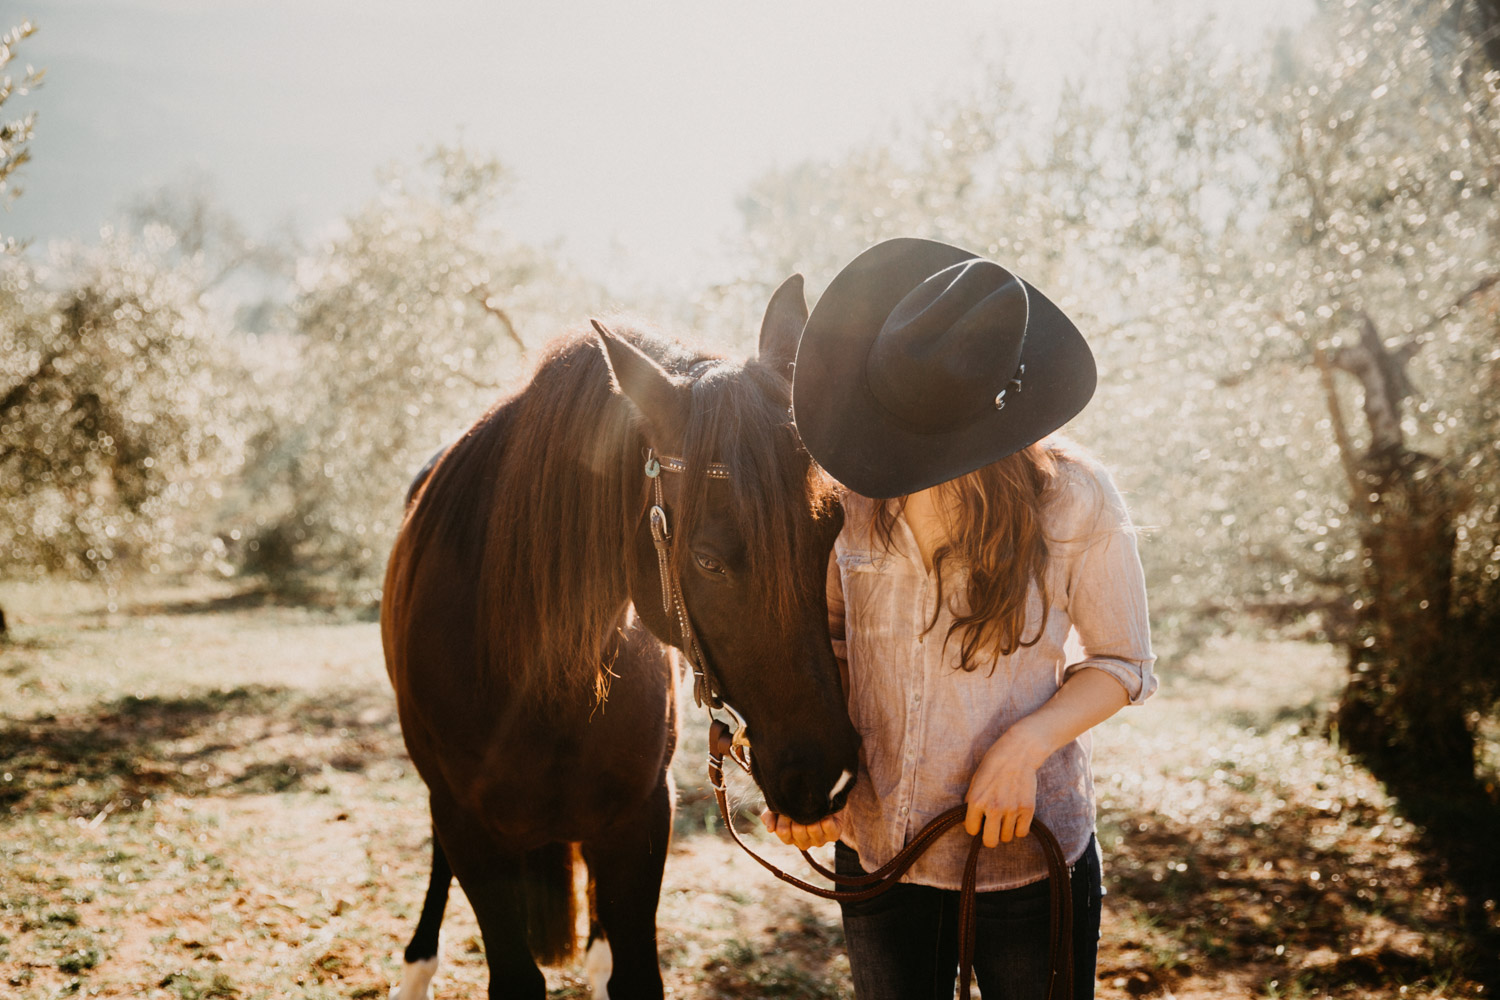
(630, 129)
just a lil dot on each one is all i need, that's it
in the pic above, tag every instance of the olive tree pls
(116, 417)
(403, 328)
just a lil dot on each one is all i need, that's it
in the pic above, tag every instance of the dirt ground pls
(205, 795)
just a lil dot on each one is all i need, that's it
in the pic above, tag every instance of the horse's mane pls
(539, 501)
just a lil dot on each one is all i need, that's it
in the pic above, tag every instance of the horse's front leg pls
(625, 866)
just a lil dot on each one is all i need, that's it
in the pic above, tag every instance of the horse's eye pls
(709, 563)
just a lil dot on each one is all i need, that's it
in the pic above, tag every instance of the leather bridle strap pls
(1060, 982)
(672, 602)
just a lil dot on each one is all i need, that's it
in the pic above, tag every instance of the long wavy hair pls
(994, 527)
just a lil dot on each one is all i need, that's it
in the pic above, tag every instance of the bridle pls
(735, 743)
(706, 688)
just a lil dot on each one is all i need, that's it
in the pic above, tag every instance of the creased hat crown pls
(949, 346)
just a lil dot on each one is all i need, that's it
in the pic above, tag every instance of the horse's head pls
(749, 548)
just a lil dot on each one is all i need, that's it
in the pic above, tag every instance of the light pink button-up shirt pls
(926, 724)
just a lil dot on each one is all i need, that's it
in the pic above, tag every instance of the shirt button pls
(904, 810)
(916, 697)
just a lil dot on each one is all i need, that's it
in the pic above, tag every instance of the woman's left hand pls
(1002, 794)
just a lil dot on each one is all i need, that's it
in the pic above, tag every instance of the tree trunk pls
(1405, 711)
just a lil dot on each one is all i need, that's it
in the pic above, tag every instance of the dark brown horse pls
(523, 624)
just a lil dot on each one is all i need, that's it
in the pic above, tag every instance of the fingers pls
(994, 826)
(974, 820)
(803, 836)
(999, 827)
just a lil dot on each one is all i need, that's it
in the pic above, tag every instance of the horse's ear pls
(786, 315)
(659, 398)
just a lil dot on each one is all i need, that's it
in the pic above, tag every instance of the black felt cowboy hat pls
(923, 362)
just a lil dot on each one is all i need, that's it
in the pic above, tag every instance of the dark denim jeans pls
(903, 944)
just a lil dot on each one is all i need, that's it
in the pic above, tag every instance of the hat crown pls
(949, 346)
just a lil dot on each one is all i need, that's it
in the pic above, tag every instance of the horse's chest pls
(570, 789)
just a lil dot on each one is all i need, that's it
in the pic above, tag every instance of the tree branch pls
(1484, 285)
(1341, 436)
(21, 388)
(482, 296)
(476, 383)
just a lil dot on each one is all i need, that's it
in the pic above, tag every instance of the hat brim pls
(857, 440)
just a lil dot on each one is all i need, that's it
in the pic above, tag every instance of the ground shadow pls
(242, 740)
(1310, 900)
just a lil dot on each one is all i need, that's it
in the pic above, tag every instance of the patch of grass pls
(740, 968)
(79, 961)
(190, 985)
(52, 918)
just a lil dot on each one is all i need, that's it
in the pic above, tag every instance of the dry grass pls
(206, 795)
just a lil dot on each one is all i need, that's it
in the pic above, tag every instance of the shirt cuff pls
(1135, 676)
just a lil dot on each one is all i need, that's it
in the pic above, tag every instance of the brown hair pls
(994, 527)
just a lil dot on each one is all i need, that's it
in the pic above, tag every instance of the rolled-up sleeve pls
(1107, 604)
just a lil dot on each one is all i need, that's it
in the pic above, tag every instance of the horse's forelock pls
(741, 418)
(563, 496)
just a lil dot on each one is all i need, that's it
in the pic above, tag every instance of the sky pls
(630, 128)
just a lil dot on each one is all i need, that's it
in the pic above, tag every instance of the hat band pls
(1014, 383)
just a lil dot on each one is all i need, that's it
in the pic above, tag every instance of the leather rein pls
(722, 741)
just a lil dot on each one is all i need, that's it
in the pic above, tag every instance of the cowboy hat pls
(923, 362)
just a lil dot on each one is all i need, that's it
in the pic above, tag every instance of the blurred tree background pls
(1287, 262)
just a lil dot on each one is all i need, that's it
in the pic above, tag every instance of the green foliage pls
(116, 421)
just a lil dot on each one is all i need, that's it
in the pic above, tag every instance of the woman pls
(974, 547)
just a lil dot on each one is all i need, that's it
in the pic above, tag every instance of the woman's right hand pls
(805, 837)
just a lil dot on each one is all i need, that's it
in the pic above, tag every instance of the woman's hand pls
(805, 837)
(1002, 794)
